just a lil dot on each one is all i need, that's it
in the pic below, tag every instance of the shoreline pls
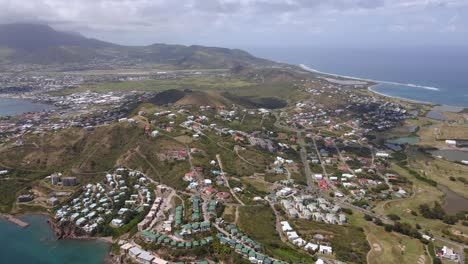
(14, 219)
(376, 82)
(44, 106)
(402, 98)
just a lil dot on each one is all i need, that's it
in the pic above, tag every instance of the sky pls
(256, 23)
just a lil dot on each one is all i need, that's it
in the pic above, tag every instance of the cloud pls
(138, 21)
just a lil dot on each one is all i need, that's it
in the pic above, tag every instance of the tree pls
(378, 222)
(393, 217)
(367, 217)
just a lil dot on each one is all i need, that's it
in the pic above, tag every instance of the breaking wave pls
(307, 68)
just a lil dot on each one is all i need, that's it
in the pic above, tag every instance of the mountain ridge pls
(41, 44)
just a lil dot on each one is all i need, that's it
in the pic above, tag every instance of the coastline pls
(97, 250)
(376, 83)
(400, 98)
(14, 219)
(28, 105)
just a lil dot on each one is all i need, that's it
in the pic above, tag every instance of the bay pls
(37, 244)
(436, 74)
(11, 106)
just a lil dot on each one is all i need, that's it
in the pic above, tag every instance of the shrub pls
(393, 217)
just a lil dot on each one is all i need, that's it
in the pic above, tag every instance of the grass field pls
(348, 242)
(390, 247)
(259, 223)
(433, 132)
(441, 171)
(423, 193)
(159, 85)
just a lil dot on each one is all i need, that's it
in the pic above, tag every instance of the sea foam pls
(307, 68)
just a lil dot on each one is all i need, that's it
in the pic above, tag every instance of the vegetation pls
(266, 234)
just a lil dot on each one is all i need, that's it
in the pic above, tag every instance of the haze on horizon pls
(242, 23)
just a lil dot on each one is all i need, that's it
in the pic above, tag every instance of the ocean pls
(37, 244)
(10, 107)
(430, 74)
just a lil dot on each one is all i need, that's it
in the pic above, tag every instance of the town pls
(313, 163)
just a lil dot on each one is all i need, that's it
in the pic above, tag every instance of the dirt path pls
(218, 158)
(376, 248)
(236, 150)
(236, 219)
(149, 163)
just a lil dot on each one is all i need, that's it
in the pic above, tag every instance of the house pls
(25, 198)
(69, 181)
(311, 246)
(299, 242)
(155, 133)
(325, 249)
(447, 253)
(285, 226)
(382, 155)
(222, 196)
(116, 222)
(319, 261)
(292, 236)
(451, 142)
(145, 257)
(342, 219)
(210, 190)
(125, 247)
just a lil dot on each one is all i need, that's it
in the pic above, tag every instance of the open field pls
(424, 193)
(266, 234)
(159, 85)
(433, 132)
(441, 171)
(390, 247)
(349, 242)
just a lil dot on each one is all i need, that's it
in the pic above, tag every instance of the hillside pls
(86, 155)
(41, 44)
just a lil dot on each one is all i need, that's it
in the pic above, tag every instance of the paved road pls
(345, 204)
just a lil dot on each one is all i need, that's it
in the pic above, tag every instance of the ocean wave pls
(307, 68)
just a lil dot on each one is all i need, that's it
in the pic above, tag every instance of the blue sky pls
(242, 23)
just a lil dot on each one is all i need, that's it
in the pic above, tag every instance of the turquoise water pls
(430, 74)
(37, 244)
(18, 106)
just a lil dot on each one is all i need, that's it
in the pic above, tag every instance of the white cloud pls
(138, 21)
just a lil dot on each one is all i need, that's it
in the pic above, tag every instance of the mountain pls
(32, 37)
(41, 44)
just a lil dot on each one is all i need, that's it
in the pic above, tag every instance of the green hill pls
(41, 44)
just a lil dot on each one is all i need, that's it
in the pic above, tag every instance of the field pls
(390, 247)
(199, 83)
(348, 242)
(433, 132)
(440, 171)
(259, 223)
(423, 193)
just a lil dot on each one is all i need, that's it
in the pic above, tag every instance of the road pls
(310, 185)
(343, 203)
(218, 158)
